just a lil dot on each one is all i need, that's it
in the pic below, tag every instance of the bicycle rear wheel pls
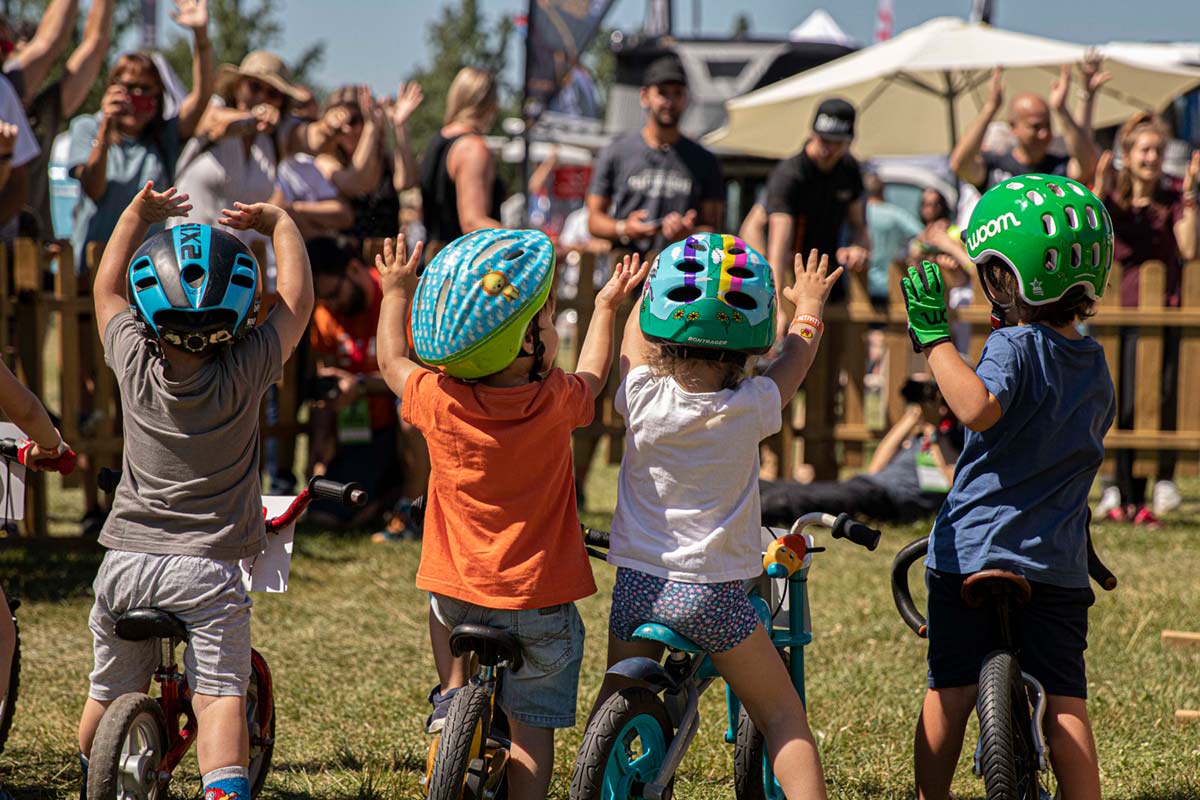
(1007, 758)
(623, 748)
(460, 743)
(8, 704)
(752, 776)
(260, 721)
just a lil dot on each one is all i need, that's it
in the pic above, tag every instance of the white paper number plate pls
(12, 479)
(268, 571)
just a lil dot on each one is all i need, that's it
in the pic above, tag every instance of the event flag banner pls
(12, 479)
(558, 33)
(268, 571)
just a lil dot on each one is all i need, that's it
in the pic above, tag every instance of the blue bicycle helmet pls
(476, 299)
(194, 286)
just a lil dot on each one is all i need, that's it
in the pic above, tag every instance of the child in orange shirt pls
(502, 544)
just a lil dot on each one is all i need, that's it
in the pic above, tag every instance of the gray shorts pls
(206, 594)
(544, 691)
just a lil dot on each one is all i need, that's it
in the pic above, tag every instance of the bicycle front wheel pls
(461, 741)
(127, 751)
(8, 703)
(1007, 759)
(623, 748)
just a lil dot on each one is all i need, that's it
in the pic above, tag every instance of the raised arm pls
(52, 36)
(26, 412)
(147, 208)
(799, 347)
(891, 442)
(293, 282)
(965, 159)
(633, 345)
(1093, 78)
(595, 354)
(398, 274)
(194, 14)
(86, 60)
(1079, 142)
(404, 166)
(781, 231)
(1187, 228)
(361, 176)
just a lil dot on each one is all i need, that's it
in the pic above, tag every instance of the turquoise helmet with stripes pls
(195, 287)
(477, 297)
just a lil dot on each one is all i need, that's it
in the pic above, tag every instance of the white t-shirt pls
(687, 497)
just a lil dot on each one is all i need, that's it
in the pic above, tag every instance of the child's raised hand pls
(813, 283)
(260, 217)
(153, 207)
(627, 275)
(925, 303)
(397, 269)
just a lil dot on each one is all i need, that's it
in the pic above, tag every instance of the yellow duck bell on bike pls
(785, 556)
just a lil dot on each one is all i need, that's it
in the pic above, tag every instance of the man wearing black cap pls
(656, 186)
(809, 197)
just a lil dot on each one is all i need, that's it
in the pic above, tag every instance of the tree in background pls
(741, 26)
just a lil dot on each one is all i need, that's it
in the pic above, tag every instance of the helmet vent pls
(513, 255)
(697, 244)
(1014, 185)
(1036, 197)
(1076, 189)
(685, 294)
(736, 250)
(1049, 224)
(1076, 256)
(193, 275)
(740, 272)
(1051, 260)
(741, 300)
(1090, 213)
(1072, 217)
(146, 282)
(245, 281)
(690, 266)
(1054, 187)
(1095, 254)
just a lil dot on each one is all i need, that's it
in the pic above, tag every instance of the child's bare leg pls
(452, 671)
(222, 739)
(531, 763)
(619, 650)
(89, 721)
(1072, 748)
(939, 738)
(758, 677)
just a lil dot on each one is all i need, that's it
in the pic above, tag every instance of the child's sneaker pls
(1117, 514)
(1165, 498)
(441, 707)
(1144, 518)
(1110, 499)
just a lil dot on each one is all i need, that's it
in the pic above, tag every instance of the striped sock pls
(227, 783)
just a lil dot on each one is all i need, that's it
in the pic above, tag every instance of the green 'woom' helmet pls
(1051, 231)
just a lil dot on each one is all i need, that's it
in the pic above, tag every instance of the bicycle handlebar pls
(16, 451)
(846, 527)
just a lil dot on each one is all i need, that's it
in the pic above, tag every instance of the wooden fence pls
(830, 425)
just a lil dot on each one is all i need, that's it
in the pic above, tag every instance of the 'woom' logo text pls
(990, 228)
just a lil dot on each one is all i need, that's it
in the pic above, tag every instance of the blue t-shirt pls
(131, 162)
(890, 227)
(1019, 500)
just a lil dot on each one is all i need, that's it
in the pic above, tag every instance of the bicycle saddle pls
(491, 645)
(139, 624)
(978, 588)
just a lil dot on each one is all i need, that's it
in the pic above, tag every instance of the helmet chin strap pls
(539, 353)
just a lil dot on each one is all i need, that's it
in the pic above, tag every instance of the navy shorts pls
(1051, 635)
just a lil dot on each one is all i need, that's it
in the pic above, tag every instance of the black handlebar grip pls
(846, 527)
(347, 494)
(107, 479)
(10, 448)
(900, 591)
(595, 538)
(1100, 573)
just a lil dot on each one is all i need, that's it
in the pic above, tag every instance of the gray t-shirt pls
(190, 484)
(633, 175)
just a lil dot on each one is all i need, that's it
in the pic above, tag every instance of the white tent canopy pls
(820, 27)
(920, 91)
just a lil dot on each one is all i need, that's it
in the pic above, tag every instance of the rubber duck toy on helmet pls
(477, 299)
(194, 287)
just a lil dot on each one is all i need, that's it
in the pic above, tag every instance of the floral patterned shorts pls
(716, 616)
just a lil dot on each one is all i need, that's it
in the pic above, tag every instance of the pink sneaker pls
(1144, 518)
(1117, 515)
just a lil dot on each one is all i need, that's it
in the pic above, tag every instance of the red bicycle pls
(141, 739)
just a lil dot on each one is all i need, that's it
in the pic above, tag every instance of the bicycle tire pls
(1007, 761)
(8, 705)
(462, 740)
(629, 715)
(261, 727)
(749, 762)
(130, 715)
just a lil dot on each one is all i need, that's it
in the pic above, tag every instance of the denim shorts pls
(544, 691)
(716, 616)
(1051, 635)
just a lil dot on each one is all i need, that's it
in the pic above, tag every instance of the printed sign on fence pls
(268, 571)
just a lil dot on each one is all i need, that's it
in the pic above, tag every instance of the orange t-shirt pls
(350, 341)
(501, 527)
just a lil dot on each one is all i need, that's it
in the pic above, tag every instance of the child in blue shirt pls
(1036, 409)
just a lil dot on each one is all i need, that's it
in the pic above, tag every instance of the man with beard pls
(656, 186)
(354, 421)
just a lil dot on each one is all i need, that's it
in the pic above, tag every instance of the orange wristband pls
(809, 319)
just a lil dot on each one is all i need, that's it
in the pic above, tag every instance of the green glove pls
(925, 302)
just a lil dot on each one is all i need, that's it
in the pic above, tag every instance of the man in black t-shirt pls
(656, 186)
(1029, 116)
(810, 196)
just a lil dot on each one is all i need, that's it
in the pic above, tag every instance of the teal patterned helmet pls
(477, 297)
(712, 291)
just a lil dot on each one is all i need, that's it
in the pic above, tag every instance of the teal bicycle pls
(638, 737)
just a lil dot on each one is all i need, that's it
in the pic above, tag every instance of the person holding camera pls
(908, 477)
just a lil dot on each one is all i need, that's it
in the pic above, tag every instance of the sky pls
(382, 41)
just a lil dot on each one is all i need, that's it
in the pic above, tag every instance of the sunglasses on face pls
(260, 88)
(139, 89)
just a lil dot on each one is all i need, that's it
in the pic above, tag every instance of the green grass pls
(348, 648)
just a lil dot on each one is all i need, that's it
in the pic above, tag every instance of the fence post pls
(1188, 415)
(1147, 414)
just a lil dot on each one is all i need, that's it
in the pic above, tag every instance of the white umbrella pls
(919, 92)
